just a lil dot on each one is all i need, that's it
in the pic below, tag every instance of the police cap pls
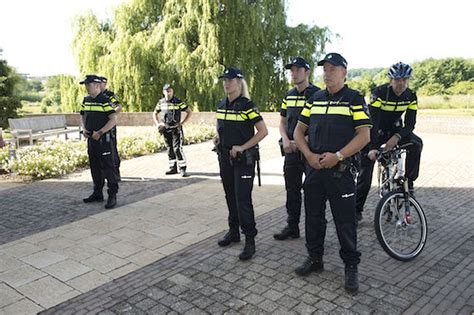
(91, 78)
(231, 73)
(334, 59)
(298, 62)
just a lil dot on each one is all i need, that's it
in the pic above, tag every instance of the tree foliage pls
(9, 102)
(188, 43)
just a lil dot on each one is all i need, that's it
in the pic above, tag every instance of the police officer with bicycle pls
(388, 103)
(338, 126)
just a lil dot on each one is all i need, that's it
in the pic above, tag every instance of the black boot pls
(183, 172)
(95, 197)
(249, 248)
(310, 265)
(172, 171)
(229, 237)
(111, 201)
(351, 279)
(288, 231)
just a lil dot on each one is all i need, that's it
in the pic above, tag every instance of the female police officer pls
(236, 144)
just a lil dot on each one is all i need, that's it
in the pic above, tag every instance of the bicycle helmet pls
(400, 70)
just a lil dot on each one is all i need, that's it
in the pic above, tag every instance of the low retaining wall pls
(459, 125)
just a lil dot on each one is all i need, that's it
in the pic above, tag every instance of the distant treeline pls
(447, 76)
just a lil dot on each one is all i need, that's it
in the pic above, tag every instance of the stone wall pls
(462, 125)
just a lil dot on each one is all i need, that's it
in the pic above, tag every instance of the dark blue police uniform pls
(170, 114)
(332, 120)
(102, 159)
(386, 110)
(293, 167)
(235, 126)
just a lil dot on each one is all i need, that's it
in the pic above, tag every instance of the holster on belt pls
(247, 157)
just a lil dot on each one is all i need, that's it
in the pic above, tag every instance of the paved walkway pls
(156, 253)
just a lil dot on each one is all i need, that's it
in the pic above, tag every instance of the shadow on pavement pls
(43, 205)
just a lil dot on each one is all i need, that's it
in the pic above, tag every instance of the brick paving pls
(202, 278)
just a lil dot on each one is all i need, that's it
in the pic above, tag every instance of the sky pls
(36, 36)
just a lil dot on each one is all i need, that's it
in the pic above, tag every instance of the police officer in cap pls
(293, 168)
(388, 103)
(167, 117)
(98, 118)
(115, 103)
(338, 126)
(236, 141)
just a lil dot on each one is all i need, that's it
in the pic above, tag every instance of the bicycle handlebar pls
(385, 155)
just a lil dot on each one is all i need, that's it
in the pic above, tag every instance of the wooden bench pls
(39, 127)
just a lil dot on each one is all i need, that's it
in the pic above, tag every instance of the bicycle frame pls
(391, 174)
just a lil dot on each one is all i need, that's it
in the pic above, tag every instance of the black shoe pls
(111, 202)
(309, 266)
(94, 198)
(287, 232)
(249, 248)
(228, 238)
(351, 279)
(359, 216)
(183, 173)
(171, 171)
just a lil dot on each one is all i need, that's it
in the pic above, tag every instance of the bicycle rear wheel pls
(401, 237)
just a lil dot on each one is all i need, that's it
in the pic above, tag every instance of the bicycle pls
(400, 222)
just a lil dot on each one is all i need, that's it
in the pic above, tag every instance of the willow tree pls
(188, 43)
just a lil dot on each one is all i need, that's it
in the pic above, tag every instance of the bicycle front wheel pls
(402, 237)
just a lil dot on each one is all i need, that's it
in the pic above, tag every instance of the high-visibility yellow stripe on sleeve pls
(283, 104)
(252, 115)
(377, 103)
(359, 115)
(413, 105)
(306, 112)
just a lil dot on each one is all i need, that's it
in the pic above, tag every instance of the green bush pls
(463, 87)
(432, 89)
(61, 157)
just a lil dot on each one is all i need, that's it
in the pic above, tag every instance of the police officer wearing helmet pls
(115, 103)
(338, 126)
(167, 117)
(388, 103)
(98, 118)
(236, 141)
(293, 168)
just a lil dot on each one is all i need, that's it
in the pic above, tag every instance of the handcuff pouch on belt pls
(344, 166)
